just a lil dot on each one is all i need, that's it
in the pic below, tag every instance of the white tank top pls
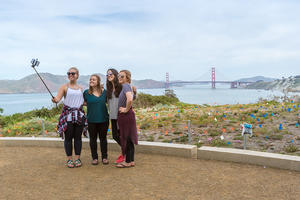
(73, 99)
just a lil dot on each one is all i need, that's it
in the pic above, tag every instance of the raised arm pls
(61, 92)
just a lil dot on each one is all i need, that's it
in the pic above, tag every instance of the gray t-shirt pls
(113, 106)
(122, 97)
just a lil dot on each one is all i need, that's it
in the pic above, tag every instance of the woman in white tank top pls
(72, 121)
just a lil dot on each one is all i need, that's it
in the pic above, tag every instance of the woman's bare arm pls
(61, 92)
(128, 103)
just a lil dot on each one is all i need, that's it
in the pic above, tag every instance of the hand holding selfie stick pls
(35, 63)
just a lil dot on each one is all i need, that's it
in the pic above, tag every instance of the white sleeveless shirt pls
(73, 99)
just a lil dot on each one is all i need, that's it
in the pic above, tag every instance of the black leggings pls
(129, 151)
(100, 129)
(73, 131)
(115, 131)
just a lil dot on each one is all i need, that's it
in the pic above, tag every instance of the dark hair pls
(109, 85)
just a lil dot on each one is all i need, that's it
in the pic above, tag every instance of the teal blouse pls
(96, 107)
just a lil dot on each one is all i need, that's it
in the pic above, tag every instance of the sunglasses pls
(120, 76)
(71, 73)
(110, 74)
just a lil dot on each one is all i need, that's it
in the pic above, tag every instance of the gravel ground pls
(40, 173)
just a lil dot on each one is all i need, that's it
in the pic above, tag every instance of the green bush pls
(40, 113)
(291, 148)
(219, 143)
(147, 100)
(276, 137)
(145, 126)
(150, 138)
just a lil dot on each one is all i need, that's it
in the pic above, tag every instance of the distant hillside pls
(257, 78)
(291, 84)
(32, 83)
(148, 84)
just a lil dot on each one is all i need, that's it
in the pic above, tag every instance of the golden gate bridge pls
(233, 84)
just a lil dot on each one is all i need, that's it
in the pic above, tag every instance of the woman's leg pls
(78, 140)
(93, 132)
(115, 131)
(132, 152)
(68, 143)
(129, 151)
(103, 139)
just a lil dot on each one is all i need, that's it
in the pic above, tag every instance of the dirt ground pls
(40, 173)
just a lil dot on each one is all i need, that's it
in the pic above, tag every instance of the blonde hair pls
(74, 68)
(128, 75)
(98, 86)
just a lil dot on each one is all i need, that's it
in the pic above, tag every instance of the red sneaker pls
(120, 159)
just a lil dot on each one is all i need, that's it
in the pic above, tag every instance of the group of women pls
(73, 122)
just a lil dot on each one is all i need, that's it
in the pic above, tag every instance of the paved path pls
(40, 173)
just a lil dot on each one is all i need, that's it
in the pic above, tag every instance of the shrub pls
(291, 148)
(219, 143)
(214, 132)
(150, 138)
(276, 137)
(41, 113)
(147, 100)
(145, 126)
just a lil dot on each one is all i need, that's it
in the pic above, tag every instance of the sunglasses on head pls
(71, 73)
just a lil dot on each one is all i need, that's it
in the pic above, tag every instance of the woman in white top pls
(72, 121)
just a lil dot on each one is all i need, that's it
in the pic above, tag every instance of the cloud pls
(151, 38)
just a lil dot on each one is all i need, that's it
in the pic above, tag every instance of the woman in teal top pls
(97, 117)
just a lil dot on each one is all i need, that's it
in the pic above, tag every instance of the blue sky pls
(241, 38)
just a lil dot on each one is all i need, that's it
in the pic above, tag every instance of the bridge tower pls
(213, 78)
(167, 80)
(168, 92)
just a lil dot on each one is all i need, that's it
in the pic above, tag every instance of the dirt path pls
(40, 173)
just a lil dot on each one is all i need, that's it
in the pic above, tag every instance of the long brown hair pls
(98, 86)
(109, 85)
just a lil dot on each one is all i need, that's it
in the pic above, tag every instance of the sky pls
(240, 38)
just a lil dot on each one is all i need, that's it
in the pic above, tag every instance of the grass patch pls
(291, 148)
(276, 137)
(219, 143)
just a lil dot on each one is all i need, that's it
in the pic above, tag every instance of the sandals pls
(78, 163)
(95, 162)
(70, 164)
(123, 165)
(105, 161)
(132, 164)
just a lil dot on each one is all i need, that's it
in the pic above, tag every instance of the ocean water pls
(19, 103)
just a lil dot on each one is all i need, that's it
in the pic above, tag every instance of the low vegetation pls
(147, 100)
(165, 119)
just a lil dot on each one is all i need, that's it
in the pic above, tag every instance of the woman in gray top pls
(114, 88)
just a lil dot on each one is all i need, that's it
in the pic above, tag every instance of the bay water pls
(195, 94)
